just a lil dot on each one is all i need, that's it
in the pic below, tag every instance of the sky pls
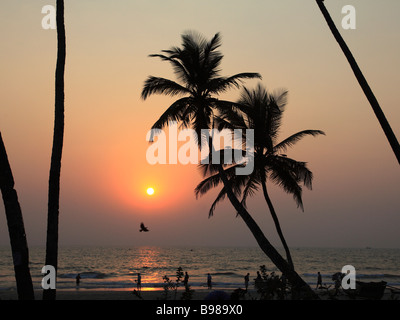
(355, 197)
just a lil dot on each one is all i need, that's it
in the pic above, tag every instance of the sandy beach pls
(153, 295)
(82, 294)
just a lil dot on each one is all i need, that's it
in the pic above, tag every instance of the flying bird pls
(143, 228)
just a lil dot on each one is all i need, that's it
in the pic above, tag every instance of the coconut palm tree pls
(16, 229)
(391, 137)
(196, 65)
(262, 112)
(56, 155)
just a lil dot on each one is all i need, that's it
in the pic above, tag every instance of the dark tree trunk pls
(300, 287)
(363, 82)
(55, 166)
(277, 224)
(16, 229)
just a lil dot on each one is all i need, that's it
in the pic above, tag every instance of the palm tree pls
(196, 65)
(262, 112)
(363, 82)
(58, 138)
(16, 229)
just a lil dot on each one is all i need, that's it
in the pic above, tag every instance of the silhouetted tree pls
(363, 82)
(196, 65)
(262, 112)
(16, 229)
(58, 138)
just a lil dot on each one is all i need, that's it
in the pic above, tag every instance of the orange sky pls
(105, 175)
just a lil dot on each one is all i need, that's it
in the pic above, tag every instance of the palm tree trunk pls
(299, 285)
(16, 229)
(55, 166)
(363, 82)
(277, 224)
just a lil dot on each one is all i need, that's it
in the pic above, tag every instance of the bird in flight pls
(143, 228)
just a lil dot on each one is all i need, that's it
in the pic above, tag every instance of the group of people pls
(209, 280)
(186, 281)
(139, 281)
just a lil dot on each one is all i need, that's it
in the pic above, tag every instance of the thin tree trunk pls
(277, 224)
(55, 166)
(299, 285)
(16, 229)
(363, 82)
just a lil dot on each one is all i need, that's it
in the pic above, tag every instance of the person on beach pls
(78, 279)
(209, 281)
(246, 280)
(186, 279)
(319, 280)
(139, 282)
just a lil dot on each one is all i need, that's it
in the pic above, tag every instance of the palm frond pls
(279, 97)
(251, 186)
(179, 68)
(207, 184)
(157, 85)
(298, 168)
(222, 84)
(220, 197)
(210, 47)
(289, 174)
(288, 182)
(175, 112)
(293, 139)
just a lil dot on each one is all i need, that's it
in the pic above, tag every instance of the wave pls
(225, 274)
(384, 275)
(86, 275)
(132, 285)
(358, 275)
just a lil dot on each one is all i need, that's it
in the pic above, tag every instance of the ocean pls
(116, 268)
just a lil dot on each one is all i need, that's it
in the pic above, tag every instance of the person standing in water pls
(209, 281)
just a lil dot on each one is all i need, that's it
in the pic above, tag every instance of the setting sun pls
(150, 191)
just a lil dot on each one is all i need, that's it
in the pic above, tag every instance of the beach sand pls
(200, 294)
(88, 294)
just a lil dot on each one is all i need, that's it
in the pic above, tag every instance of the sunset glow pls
(150, 191)
(106, 175)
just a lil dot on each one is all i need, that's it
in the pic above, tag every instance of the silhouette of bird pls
(143, 228)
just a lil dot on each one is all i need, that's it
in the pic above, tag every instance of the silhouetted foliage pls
(196, 64)
(270, 286)
(262, 112)
(170, 285)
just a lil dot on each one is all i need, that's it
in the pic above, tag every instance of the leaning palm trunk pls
(55, 167)
(277, 224)
(300, 287)
(363, 82)
(16, 229)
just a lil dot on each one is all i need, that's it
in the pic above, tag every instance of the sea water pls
(116, 268)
